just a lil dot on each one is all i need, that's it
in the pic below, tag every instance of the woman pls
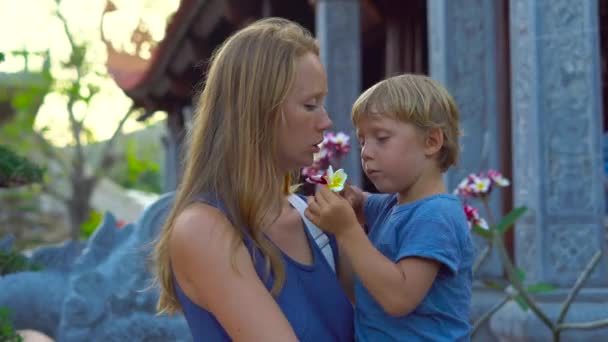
(234, 256)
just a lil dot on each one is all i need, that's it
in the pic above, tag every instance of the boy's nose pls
(365, 153)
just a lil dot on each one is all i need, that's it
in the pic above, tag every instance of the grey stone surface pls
(462, 44)
(557, 164)
(338, 32)
(557, 130)
(103, 293)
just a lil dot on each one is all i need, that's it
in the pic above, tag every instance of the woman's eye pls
(310, 107)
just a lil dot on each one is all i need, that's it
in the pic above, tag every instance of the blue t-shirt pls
(435, 228)
(312, 300)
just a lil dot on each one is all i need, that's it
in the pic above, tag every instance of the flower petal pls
(336, 180)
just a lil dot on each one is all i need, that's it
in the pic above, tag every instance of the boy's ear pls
(434, 141)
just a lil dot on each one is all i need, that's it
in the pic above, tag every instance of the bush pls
(7, 332)
(16, 170)
(12, 261)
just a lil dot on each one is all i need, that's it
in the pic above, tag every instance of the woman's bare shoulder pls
(200, 222)
(201, 236)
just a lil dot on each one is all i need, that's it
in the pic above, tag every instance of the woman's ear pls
(434, 141)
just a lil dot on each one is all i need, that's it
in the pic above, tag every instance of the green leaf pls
(521, 275)
(521, 302)
(485, 233)
(507, 222)
(540, 288)
(88, 228)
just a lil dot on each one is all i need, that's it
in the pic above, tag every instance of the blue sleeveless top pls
(312, 300)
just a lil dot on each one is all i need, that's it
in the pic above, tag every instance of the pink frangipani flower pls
(473, 217)
(480, 185)
(332, 149)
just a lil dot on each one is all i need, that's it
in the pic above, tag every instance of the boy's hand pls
(331, 212)
(356, 198)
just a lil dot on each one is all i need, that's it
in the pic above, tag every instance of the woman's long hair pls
(232, 142)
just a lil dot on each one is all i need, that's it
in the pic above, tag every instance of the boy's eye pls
(382, 139)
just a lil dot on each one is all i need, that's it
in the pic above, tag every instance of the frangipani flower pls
(333, 148)
(474, 219)
(319, 157)
(336, 180)
(317, 178)
(498, 178)
(481, 184)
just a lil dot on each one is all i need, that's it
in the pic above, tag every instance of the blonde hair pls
(232, 143)
(418, 100)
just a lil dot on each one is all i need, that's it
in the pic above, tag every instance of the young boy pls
(414, 269)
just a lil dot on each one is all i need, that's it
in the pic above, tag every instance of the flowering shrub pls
(479, 187)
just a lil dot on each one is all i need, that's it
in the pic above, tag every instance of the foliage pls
(12, 261)
(16, 170)
(139, 172)
(75, 173)
(7, 333)
(88, 227)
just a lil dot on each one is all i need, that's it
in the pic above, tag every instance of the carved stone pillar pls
(557, 162)
(338, 31)
(462, 39)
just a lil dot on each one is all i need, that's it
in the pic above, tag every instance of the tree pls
(72, 167)
(82, 179)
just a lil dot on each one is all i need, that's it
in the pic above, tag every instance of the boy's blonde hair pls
(418, 100)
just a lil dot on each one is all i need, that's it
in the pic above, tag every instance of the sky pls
(31, 25)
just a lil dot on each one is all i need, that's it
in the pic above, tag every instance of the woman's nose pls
(326, 122)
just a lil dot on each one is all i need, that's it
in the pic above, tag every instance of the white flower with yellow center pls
(480, 185)
(336, 180)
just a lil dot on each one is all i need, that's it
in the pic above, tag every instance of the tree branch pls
(577, 286)
(489, 314)
(512, 275)
(481, 258)
(107, 148)
(49, 151)
(600, 323)
(75, 125)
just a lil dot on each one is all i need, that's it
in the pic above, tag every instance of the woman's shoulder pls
(201, 221)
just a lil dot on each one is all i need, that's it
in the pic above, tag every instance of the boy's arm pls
(398, 287)
(357, 199)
